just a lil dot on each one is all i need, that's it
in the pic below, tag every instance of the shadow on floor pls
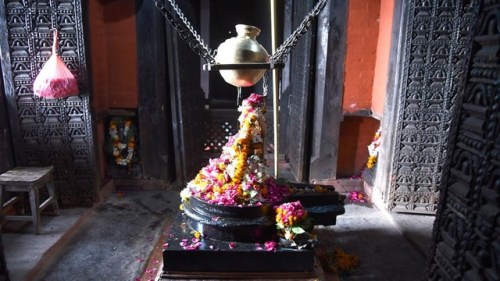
(110, 242)
(26, 252)
(383, 252)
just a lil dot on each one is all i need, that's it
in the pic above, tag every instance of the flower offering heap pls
(238, 177)
(292, 220)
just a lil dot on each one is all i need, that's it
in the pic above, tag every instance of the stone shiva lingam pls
(232, 198)
(233, 212)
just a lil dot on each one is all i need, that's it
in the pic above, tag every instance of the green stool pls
(30, 179)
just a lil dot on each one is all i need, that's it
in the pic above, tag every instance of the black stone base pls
(217, 256)
(278, 276)
(247, 224)
(322, 206)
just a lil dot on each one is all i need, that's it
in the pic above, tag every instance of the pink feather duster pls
(55, 80)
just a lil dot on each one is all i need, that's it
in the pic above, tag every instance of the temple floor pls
(121, 239)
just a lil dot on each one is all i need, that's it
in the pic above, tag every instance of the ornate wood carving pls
(49, 131)
(434, 57)
(467, 228)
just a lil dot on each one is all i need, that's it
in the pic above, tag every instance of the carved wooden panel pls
(49, 131)
(467, 230)
(435, 57)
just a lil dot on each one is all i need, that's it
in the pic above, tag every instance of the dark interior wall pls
(187, 101)
(155, 121)
(56, 132)
(298, 97)
(224, 16)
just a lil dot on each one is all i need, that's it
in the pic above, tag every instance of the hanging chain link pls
(189, 34)
(186, 30)
(291, 41)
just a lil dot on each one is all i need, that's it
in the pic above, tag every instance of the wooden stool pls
(30, 179)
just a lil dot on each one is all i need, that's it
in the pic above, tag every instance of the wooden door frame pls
(6, 150)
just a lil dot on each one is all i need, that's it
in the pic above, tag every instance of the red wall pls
(367, 60)
(113, 56)
(121, 44)
(382, 63)
(98, 57)
(362, 34)
(356, 133)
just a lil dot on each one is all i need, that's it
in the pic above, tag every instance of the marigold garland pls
(238, 176)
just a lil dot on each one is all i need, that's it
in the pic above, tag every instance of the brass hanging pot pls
(241, 49)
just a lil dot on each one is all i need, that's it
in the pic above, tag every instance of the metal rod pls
(275, 90)
(238, 99)
(255, 65)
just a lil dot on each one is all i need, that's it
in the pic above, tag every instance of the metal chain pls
(186, 31)
(292, 40)
(189, 34)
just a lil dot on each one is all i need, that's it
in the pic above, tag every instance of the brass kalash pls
(209, 240)
(242, 49)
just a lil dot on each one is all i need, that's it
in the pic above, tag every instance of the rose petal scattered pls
(270, 245)
(356, 196)
(193, 246)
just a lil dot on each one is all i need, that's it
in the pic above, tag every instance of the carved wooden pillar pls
(431, 64)
(467, 229)
(55, 132)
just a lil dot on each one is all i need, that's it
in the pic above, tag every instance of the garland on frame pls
(122, 132)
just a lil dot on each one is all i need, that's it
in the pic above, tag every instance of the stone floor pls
(121, 239)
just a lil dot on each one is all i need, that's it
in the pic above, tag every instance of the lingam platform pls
(237, 255)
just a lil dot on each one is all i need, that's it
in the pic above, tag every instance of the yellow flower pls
(196, 234)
